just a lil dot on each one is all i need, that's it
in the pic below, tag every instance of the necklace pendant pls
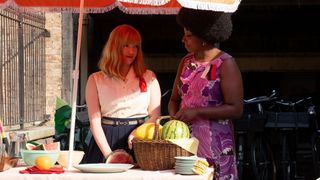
(192, 66)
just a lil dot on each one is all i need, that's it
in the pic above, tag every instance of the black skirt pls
(117, 137)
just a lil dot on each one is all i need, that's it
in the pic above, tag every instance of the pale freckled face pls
(129, 53)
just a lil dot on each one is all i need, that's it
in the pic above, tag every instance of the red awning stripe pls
(147, 2)
(172, 7)
(90, 6)
(127, 6)
(64, 3)
(142, 11)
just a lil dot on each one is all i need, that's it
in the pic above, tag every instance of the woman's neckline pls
(208, 56)
(207, 61)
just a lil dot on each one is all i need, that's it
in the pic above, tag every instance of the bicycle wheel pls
(262, 160)
(286, 163)
(240, 156)
(316, 154)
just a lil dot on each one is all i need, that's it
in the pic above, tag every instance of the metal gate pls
(22, 68)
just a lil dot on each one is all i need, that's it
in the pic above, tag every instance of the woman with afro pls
(207, 92)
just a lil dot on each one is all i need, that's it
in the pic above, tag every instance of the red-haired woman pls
(121, 96)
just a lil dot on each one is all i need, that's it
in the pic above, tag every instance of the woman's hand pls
(186, 114)
(131, 136)
(107, 156)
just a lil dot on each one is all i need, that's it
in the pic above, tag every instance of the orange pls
(43, 162)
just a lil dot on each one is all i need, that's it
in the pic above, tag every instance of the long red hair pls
(110, 61)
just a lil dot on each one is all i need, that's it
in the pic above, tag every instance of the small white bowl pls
(64, 158)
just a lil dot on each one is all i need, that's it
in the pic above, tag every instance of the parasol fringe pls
(147, 2)
(61, 9)
(142, 11)
(212, 6)
(7, 4)
(151, 10)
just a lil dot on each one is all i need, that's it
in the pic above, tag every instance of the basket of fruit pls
(154, 146)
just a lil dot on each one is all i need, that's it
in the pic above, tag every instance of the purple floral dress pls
(200, 87)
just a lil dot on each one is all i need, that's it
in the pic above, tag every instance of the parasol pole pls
(75, 85)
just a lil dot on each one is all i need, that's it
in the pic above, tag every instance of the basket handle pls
(156, 135)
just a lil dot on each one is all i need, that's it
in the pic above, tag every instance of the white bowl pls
(64, 158)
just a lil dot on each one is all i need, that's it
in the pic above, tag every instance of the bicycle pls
(249, 130)
(289, 118)
(315, 141)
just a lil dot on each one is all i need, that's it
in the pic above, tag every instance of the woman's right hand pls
(186, 114)
(130, 138)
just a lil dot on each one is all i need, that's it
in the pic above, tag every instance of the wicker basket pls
(157, 154)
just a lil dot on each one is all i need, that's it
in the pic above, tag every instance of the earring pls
(204, 43)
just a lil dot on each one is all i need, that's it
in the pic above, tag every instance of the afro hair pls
(211, 26)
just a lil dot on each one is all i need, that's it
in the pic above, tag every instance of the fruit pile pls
(173, 129)
(42, 155)
(32, 145)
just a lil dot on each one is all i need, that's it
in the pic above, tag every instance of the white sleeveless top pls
(123, 98)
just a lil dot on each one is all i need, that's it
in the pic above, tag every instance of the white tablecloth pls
(131, 174)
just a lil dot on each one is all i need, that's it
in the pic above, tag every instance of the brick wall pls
(53, 61)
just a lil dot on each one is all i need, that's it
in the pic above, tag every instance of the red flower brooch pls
(142, 85)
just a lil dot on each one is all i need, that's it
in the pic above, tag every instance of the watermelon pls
(175, 129)
(33, 142)
(49, 146)
(31, 146)
(120, 156)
